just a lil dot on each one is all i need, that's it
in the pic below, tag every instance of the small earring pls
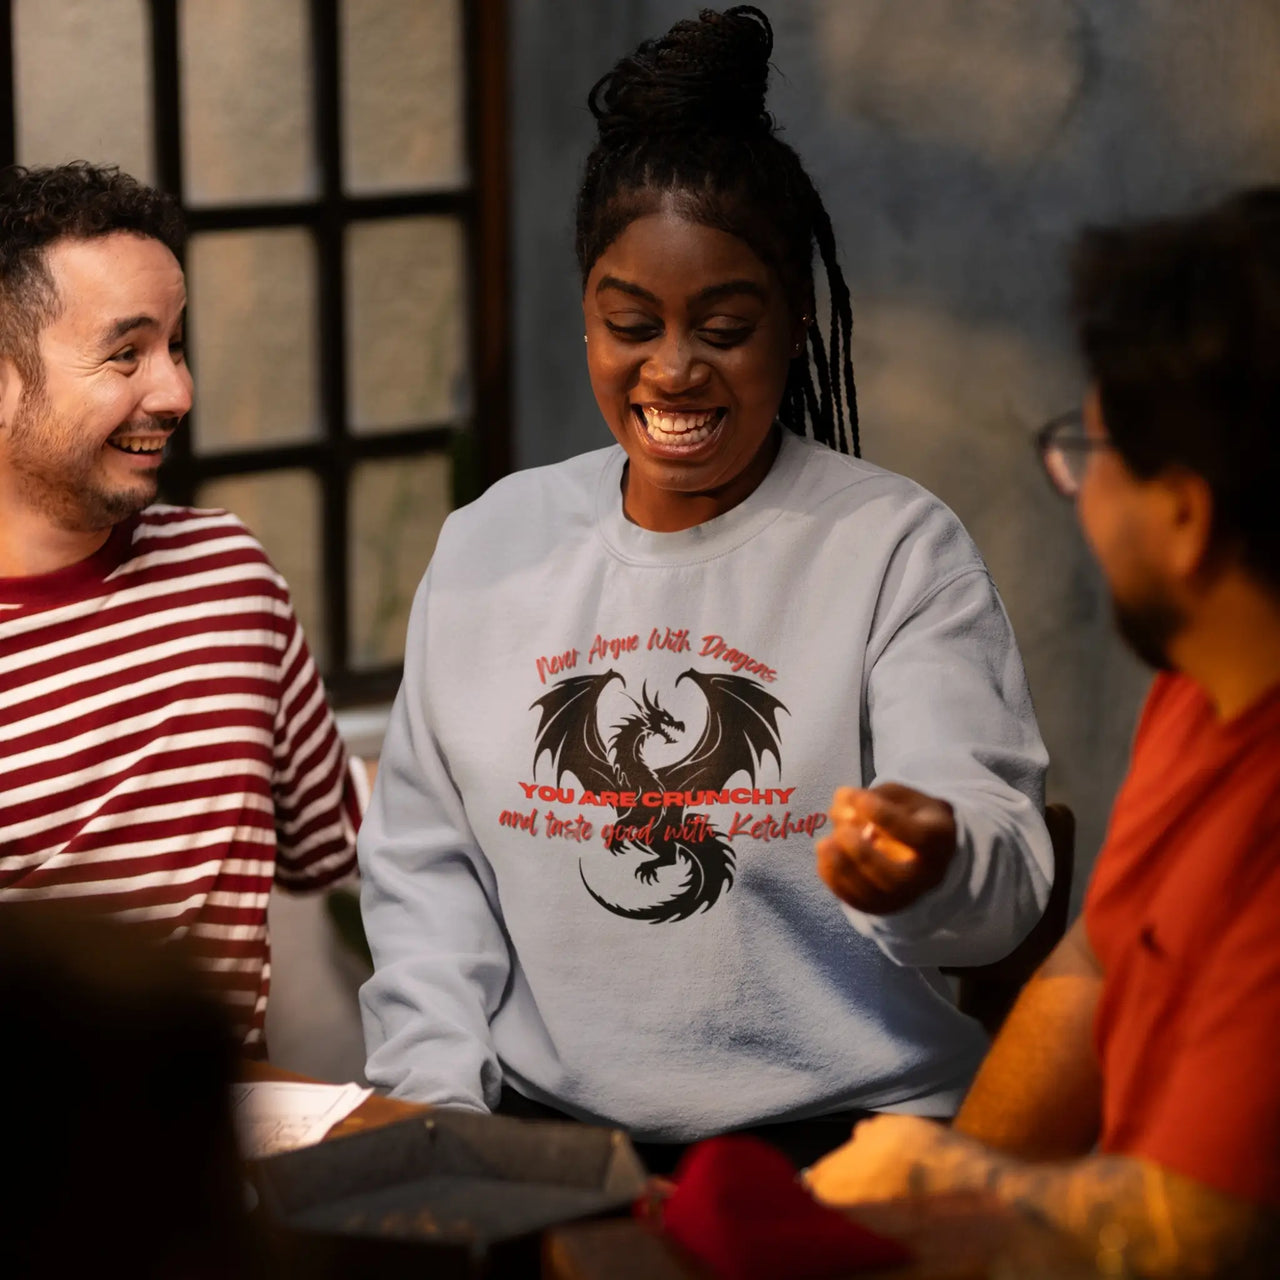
(584, 337)
(804, 323)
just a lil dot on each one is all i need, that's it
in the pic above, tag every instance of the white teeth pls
(680, 428)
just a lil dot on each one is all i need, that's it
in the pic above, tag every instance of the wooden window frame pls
(479, 446)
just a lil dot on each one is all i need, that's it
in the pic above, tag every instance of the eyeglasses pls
(1064, 449)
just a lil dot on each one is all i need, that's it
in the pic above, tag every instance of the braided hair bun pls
(710, 76)
(682, 125)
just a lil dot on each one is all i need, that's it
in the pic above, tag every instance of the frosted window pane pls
(82, 74)
(407, 324)
(402, 78)
(282, 509)
(397, 508)
(246, 102)
(253, 330)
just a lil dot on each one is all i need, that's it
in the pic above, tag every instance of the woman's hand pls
(888, 846)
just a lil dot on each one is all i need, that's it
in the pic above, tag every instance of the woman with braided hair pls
(634, 680)
(674, 139)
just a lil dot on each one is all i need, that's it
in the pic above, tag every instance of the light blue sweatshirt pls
(588, 862)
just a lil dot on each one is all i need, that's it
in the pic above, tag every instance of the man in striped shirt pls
(166, 749)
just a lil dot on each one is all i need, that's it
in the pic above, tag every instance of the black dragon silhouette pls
(741, 729)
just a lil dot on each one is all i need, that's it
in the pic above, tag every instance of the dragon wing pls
(741, 729)
(568, 730)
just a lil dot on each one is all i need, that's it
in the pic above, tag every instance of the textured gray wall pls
(958, 144)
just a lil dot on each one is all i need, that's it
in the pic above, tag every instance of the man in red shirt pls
(1133, 1097)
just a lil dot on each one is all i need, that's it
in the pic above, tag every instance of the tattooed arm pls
(1038, 1094)
(1119, 1209)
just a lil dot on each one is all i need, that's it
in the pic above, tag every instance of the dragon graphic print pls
(658, 779)
(657, 824)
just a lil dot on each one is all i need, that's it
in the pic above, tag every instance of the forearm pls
(950, 716)
(427, 1038)
(441, 965)
(429, 902)
(1118, 1208)
(1038, 1093)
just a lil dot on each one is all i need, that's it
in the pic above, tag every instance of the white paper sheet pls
(276, 1116)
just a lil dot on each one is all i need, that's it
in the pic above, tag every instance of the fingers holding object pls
(852, 805)
(858, 874)
(884, 816)
(855, 827)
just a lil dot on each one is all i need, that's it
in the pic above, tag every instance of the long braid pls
(841, 326)
(685, 115)
(823, 422)
(809, 398)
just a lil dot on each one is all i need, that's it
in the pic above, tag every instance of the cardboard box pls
(449, 1194)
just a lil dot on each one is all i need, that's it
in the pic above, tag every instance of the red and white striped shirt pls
(166, 748)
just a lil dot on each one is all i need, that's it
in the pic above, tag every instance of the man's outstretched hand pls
(888, 846)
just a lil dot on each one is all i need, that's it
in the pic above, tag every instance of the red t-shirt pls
(1184, 915)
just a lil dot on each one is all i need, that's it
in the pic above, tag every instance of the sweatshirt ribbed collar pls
(705, 541)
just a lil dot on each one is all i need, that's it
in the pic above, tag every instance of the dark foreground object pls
(450, 1194)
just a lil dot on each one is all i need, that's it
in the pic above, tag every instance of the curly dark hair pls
(683, 119)
(1179, 323)
(77, 201)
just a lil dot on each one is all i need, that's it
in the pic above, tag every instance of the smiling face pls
(689, 340)
(81, 452)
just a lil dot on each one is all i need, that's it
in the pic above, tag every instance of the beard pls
(1148, 625)
(59, 471)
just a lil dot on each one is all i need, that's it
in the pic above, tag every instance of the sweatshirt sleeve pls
(949, 714)
(428, 897)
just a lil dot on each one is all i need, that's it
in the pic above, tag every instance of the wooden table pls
(953, 1237)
